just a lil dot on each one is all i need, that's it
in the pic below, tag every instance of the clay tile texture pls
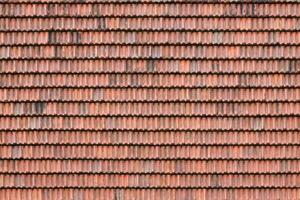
(149, 100)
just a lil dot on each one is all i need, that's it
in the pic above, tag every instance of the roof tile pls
(122, 100)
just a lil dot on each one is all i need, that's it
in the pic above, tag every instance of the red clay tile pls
(123, 100)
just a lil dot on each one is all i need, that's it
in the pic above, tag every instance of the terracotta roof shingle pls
(149, 99)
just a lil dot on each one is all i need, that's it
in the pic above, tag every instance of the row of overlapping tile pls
(148, 38)
(164, 138)
(149, 1)
(64, 9)
(115, 99)
(149, 109)
(150, 194)
(149, 24)
(153, 66)
(153, 166)
(150, 123)
(150, 181)
(148, 52)
(151, 80)
(148, 152)
(151, 94)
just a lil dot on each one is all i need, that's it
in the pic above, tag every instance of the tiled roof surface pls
(149, 100)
